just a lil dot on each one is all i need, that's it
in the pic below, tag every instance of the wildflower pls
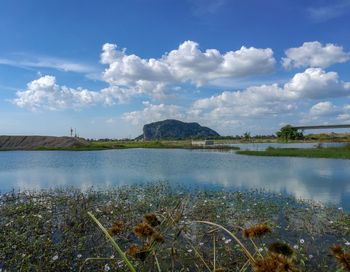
(79, 256)
(143, 230)
(301, 241)
(311, 256)
(256, 231)
(189, 250)
(107, 268)
(228, 241)
(347, 243)
(342, 257)
(151, 219)
(296, 247)
(116, 228)
(281, 248)
(54, 258)
(260, 249)
(201, 243)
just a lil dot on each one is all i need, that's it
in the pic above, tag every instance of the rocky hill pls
(174, 129)
(36, 142)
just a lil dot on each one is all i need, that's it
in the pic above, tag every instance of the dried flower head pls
(256, 231)
(158, 237)
(116, 228)
(281, 248)
(342, 256)
(151, 219)
(137, 252)
(144, 230)
(273, 262)
(337, 250)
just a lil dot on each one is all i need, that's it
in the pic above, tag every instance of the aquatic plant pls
(51, 230)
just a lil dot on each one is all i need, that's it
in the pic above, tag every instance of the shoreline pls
(325, 153)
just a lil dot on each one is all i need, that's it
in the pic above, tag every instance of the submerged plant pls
(342, 257)
(281, 248)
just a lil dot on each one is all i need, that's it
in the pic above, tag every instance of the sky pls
(108, 67)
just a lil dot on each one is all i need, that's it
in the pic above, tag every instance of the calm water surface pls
(325, 180)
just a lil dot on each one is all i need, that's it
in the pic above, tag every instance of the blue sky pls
(108, 67)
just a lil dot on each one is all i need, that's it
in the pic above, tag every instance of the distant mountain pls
(174, 129)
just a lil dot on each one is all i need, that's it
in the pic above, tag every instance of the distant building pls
(203, 143)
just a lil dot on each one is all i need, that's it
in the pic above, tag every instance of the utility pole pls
(71, 132)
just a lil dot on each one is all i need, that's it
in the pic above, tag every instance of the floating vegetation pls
(156, 227)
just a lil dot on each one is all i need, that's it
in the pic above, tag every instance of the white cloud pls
(28, 62)
(336, 9)
(152, 113)
(344, 117)
(44, 93)
(314, 54)
(254, 101)
(322, 108)
(205, 7)
(187, 63)
(155, 112)
(327, 112)
(315, 83)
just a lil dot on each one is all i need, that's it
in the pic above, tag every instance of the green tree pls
(246, 136)
(287, 133)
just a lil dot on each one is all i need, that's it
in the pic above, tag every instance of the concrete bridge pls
(321, 127)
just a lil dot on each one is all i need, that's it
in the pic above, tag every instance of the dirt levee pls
(35, 142)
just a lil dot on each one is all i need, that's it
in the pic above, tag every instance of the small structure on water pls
(203, 143)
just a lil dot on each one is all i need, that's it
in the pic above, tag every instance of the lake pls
(324, 180)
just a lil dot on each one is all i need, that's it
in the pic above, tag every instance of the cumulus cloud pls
(251, 102)
(45, 93)
(155, 112)
(271, 100)
(314, 54)
(187, 63)
(322, 108)
(315, 83)
(327, 112)
(152, 113)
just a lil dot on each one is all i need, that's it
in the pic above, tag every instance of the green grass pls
(100, 145)
(329, 152)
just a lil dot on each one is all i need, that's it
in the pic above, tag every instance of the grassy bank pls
(52, 231)
(101, 145)
(329, 152)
